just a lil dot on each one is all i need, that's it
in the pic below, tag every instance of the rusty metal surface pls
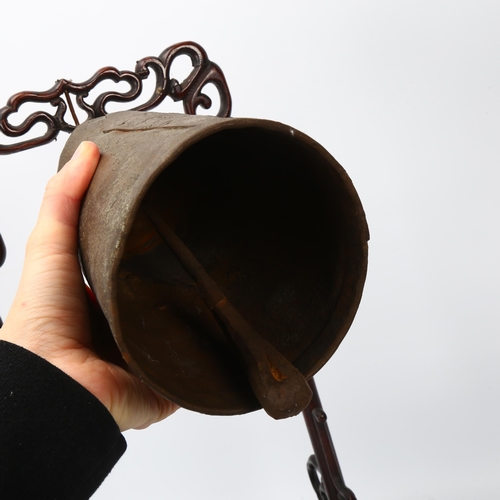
(280, 388)
(270, 215)
(190, 91)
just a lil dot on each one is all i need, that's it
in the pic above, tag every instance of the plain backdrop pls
(406, 96)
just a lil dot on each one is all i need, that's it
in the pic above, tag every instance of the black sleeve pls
(57, 441)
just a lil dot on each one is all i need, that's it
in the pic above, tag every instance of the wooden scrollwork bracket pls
(190, 91)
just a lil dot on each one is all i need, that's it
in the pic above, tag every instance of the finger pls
(138, 406)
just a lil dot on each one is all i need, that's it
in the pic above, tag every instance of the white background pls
(406, 96)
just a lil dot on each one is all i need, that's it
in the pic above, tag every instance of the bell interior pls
(272, 222)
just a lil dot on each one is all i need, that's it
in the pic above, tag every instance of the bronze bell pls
(253, 211)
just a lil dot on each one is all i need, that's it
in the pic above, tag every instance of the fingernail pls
(79, 151)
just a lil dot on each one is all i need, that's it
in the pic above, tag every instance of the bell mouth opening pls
(277, 224)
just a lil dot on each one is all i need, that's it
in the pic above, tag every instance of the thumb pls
(51, 291)
(58, 218)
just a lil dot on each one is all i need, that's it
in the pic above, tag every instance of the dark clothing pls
(57, 441)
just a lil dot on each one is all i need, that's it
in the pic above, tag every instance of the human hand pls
(49, 315)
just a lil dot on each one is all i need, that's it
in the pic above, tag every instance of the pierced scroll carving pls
(190, 92)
